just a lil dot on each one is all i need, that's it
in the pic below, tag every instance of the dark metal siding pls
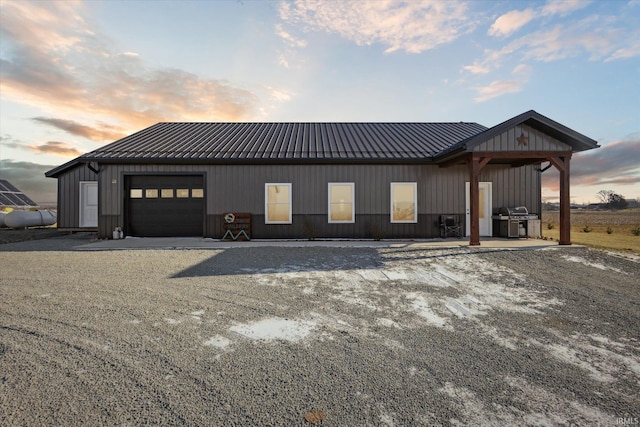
(240, 188)
(69, 195)
(514, 186)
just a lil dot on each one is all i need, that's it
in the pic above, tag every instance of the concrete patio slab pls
(133, 243)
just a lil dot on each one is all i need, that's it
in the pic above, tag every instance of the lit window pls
(197, 193)
(277, 203)
(166, 193)
(151, 193)
(404, 206)
(341, 203)
(135, 193)
(182, 193)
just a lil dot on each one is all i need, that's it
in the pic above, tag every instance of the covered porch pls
(527, 139)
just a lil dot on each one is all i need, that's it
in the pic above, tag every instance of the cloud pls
(511, 22)
(55, 147)
(291, 40)
(477, 68)
(105, 132)
(413, 26)
(29, 178)
(522, 70)
(599, 37)
(278, 94)
(587, 36)
(498, 88)
(626, 52)
(503, 87)
(52, 147)
(563, 7)
(52, 60)
(10, 142)
(283, 61)
(612, 164)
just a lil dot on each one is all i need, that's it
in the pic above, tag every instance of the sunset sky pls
(77, 75)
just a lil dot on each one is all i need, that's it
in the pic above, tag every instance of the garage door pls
(164, 205)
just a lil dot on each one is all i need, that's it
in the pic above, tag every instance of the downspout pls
(542, 170)
(93, 169)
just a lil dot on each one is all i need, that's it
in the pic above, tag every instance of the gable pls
(522, 138)
(540, 134)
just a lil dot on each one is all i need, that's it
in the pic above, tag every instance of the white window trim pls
(415, 200)
(266, 202)
(353, 202)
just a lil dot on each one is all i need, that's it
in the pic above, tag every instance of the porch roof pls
(573, 141)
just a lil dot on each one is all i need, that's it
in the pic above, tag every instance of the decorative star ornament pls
(522, 140)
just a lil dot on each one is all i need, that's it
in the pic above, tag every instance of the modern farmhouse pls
(324, 180)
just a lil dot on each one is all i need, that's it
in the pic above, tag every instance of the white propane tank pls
(2, 215)
(118, 234)
(24, 219)
(521, 230)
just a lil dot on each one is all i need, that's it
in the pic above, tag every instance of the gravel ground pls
(394, 336)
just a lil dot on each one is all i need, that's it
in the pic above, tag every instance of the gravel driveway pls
(395, 336)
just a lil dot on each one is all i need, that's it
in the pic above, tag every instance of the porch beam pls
(558, 163)
(483, 163)
(525, 162)
(523, 154)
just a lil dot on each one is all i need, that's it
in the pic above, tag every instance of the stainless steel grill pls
(518, 212)
(516, 222)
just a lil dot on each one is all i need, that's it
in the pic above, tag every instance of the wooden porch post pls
(474, 202)
(563, 165)
(476, 163)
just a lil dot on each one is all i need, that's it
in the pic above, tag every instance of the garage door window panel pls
(151, 193)
(166, 193)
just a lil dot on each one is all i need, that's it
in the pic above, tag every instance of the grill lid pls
(514, 211)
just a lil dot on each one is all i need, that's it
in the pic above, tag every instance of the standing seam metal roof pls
(287, 141)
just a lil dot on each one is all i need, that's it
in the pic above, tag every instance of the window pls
(182, 193)
(404, 206)
(166, 193)
(277, 203)
(341, 204)
(151, 193)
(197, 193)
(135, 193)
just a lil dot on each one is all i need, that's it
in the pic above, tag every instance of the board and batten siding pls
(240, 188)
(508, 141)
(69, 195)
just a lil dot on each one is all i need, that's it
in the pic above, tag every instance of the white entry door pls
(88, 204)
(486, 226)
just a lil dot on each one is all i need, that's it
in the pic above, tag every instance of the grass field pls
(599, 229)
